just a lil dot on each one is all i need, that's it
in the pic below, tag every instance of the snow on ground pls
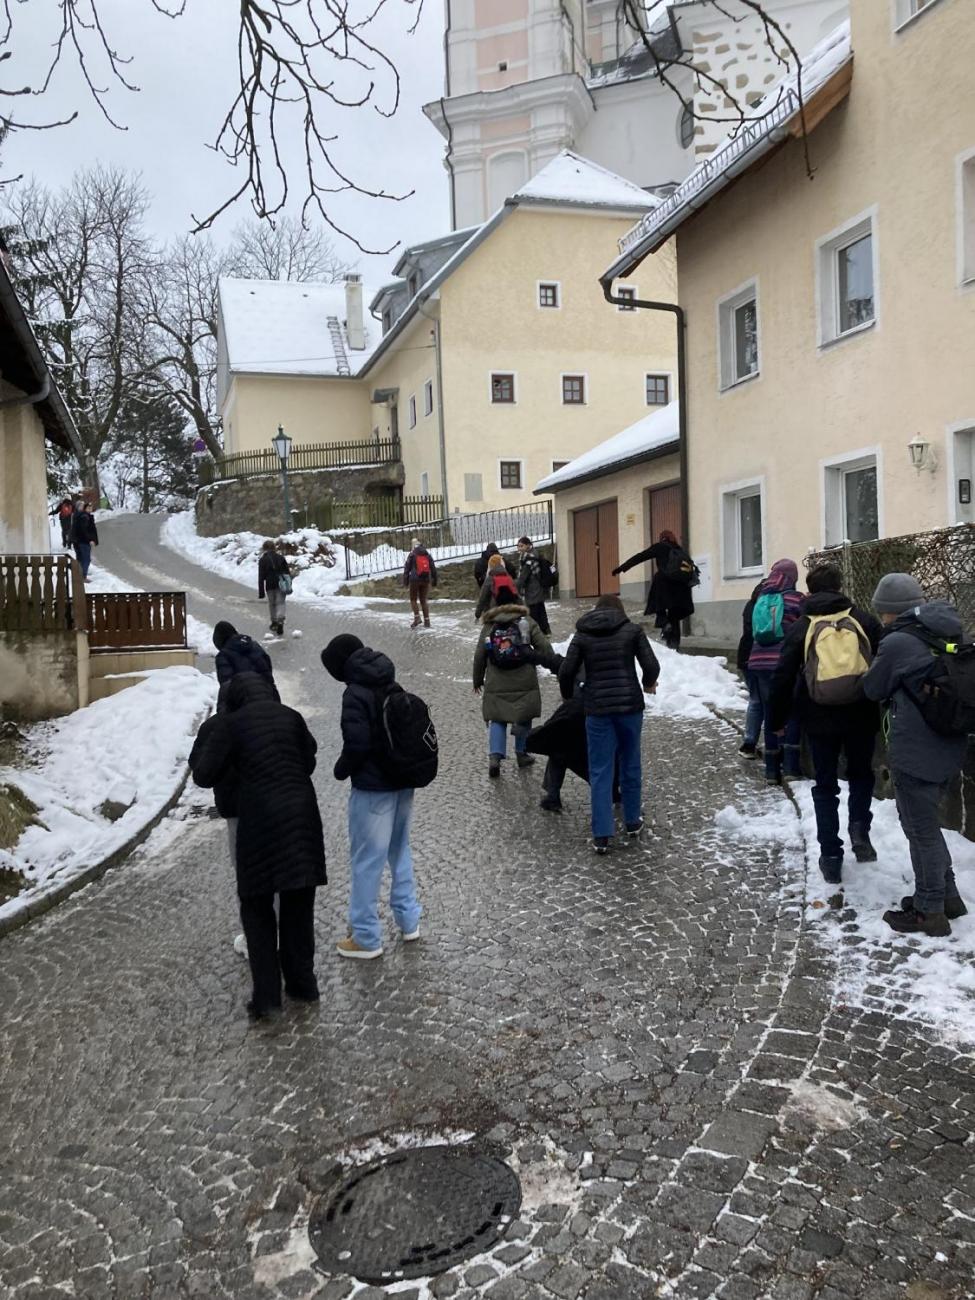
(130, 748)
(932, 980)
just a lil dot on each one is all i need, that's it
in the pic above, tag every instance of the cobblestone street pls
(652, 1040)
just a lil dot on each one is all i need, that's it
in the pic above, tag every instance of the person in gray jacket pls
(922, 762)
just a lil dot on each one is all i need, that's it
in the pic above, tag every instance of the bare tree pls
(82, 254)
(286, 250)
(300, 64)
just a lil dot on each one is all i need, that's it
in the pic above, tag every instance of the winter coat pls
(529, 580)
(861, 718)
(486, 599)
(270, 567)
(563, 737)
(409, 568)
(83, 528)
(782, 578)
(671, 601)
(607, 647)
(747, 639)
(510, 694)
(241, 654)
(481, 564)
(368, 675)
(902, 663)
(267, 751)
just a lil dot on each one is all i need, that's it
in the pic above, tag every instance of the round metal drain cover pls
(414, 1214)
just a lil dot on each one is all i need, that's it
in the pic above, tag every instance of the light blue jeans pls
(610, 738)
(379, 832)
(498, 737)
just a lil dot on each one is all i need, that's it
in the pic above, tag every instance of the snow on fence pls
(315, 455)
(41, 593)
(136, 620)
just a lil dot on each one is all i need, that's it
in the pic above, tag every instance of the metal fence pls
(943, 562)
(453, 538)
(316, 455)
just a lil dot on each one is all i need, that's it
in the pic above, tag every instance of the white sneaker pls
(413, 934)
(240, 946)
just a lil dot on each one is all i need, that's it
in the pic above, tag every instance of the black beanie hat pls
(222, 634)
(337, 652)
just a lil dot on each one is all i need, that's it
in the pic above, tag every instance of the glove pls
(618, 569)
(341, 769)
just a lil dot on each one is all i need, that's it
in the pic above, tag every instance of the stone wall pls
(42, 674)
(256, 504)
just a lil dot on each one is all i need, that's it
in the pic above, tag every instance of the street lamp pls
(282, 445)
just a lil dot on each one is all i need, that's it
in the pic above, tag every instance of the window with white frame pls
(425, 484)
(905, 10)
(658, 390)
(509, 473)
(744, 549)
(502, 388)
(738, 335)
(966, 218)
(473, 487)
(852, 500)
(847, 280)
(548, 293)
(628, 293)
(428, 397)
(573, 390)
(412, 412)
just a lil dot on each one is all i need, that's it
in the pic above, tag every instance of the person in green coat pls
(510, 646)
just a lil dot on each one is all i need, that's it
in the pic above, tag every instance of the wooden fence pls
(41, 593)
(137, 620)
(317, 455)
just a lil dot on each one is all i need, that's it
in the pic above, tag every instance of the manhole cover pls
(414, 1214)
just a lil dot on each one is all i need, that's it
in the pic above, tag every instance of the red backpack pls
(503, 589)
(421, 566)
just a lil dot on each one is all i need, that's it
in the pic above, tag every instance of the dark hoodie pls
(238, 653)
(819, 719)
(896, 675)
(368, 676)
(607, 646)
(481, 565)
(783, 576)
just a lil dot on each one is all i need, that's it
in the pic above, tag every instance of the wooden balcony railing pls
(41, 593)
(137, 620)
(317, 455)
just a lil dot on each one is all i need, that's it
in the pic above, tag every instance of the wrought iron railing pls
(318, 455)
(452, 538)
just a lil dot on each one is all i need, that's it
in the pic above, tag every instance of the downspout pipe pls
(29, 399)
(681, 320)
(435, 331)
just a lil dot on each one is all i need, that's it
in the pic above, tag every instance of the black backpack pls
(407, 739)
(947, 697)
(679, 567)
(547, 576)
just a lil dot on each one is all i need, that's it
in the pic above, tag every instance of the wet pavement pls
(651, 1039)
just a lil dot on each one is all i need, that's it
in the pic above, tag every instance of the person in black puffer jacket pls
(260, 755)
(238, 653)
(606, 647)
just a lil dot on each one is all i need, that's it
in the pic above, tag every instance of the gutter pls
(28, 399)
(435, 331)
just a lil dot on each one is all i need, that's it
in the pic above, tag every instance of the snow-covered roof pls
(654, 435)
(568, 178)
(765, 124)
(290, 327)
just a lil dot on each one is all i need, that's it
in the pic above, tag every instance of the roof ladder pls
(338, 346)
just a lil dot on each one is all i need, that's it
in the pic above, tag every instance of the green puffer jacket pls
(510, 694)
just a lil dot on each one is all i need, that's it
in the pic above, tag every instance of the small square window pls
(658, 390)
(847, 288)
(502, 388)
(738, 336)
(510, 473)
(573, 390)
(629, 293)
(558, 464)
(428, 397)
(412, 412)
(548, 295)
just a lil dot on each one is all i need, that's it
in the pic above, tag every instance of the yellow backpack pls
(838, 655)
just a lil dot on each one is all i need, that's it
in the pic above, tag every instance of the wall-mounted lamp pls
(922, 454)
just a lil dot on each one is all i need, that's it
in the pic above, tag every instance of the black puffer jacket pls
(607, 646)
(266, 750)
(368, 675)
(241, 654)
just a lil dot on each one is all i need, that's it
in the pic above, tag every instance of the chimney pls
(354, 327)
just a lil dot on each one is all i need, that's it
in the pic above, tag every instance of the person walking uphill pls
(389, 749)
(84, 535)
(669, 598)
(64, 511)
(776, 608)
(419, 574)
(534, 582)
(238, 653)
(498, 587)
(927, 737)
(509, 646)
(261, 755)
(274, 578)
(820, 675)
(484, 559)
(606, 647)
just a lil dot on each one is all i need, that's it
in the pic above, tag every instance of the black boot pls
(494, 765)
(525, 760)
(954, 907)
(863, 850)
(832, 869)
(933, 924)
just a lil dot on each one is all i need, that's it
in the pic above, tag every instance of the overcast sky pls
(186, 72)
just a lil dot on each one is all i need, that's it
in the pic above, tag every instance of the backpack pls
(679, 567)
(768, 618)
(503, 588)
(508, 645)
(947, 697)
(547, 576)
(837, 655)
(421, 567)
(407, 740)
(285, 585)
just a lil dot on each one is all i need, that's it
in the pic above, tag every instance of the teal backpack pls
(768, 617)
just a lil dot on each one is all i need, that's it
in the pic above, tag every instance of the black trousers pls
(280, 944)
(540, 615)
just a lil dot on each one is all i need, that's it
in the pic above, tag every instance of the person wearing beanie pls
(419, 575)
(238, 653)
(380, 810)
(498, 587)
(922, 762)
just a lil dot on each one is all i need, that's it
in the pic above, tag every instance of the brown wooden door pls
(597, 547)
(665, 512)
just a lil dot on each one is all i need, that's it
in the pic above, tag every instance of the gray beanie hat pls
(896, 593)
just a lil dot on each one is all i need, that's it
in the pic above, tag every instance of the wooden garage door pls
(597, 544)
(665, 511)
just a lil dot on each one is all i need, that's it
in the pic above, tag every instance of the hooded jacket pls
(820, 719)
(782, 577)
(368, 675)
(670, 601)
(270, 567)
(83, 528)
(263, 753)
(409, 568)
(481, 564)
(896, 675)
(607, 647)
(510, 694)
(486, 599)
(529, 580)
(241, 654)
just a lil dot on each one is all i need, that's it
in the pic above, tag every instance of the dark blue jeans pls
(781, 755)
(918, 804)
(826, 751)
(616, 735)
(83, 551)
(754, 713)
